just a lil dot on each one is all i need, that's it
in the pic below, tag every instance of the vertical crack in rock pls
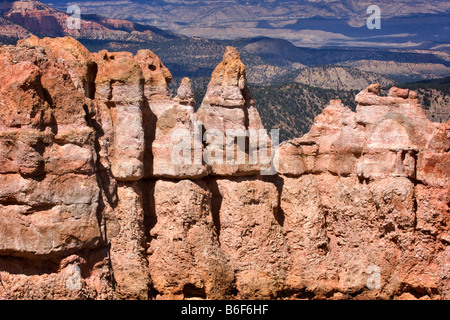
(216, 204)
(150, 220)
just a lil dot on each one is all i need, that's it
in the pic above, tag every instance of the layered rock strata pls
(107, 191)
(232, 123)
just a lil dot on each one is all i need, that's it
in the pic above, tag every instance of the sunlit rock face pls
(107, 192)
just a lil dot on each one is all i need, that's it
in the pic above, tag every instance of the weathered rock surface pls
(185, 256)
(74, 56)
(157, 77)
(119, 86)
(356, 197)
(94, 205)
(227, 113)
(251, 236)
(50, 197)
(127, 252)
(177, 148)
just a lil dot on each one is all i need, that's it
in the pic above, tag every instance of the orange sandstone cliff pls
(92, 207)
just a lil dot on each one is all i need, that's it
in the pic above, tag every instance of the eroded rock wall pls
(93, 205)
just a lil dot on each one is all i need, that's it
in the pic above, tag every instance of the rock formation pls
(354, 197)
(107, 191)
(227, 113)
